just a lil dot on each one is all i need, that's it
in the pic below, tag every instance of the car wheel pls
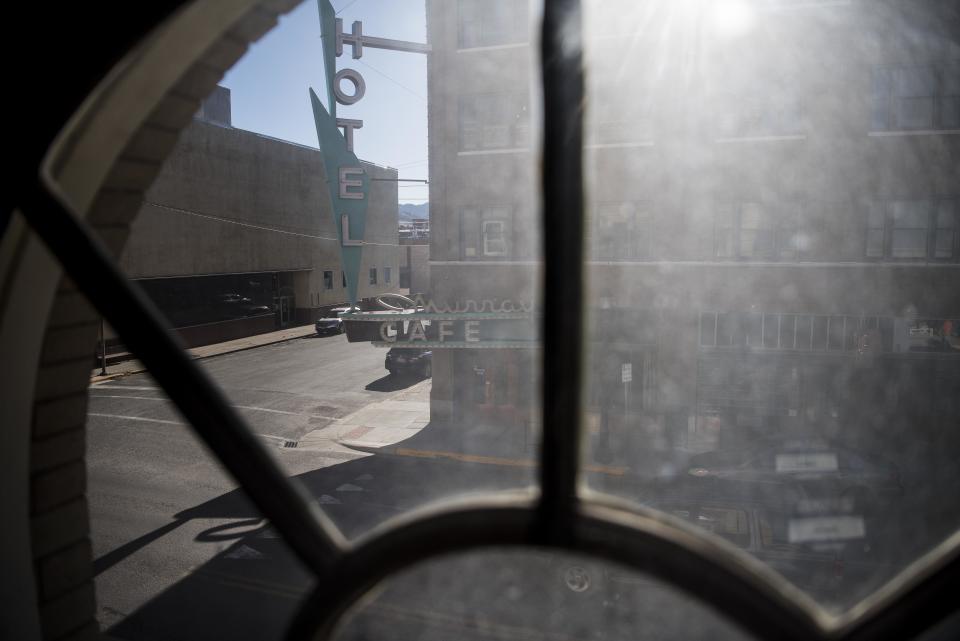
(428, 370)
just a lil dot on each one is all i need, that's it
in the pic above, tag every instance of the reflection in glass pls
(781, 369)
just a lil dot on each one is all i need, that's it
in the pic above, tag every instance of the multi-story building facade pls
(236, 236)
(772, 199)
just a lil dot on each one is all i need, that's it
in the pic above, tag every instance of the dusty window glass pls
(415, 381)
(514, 594)
(494, 121)
(910, 220)
(916, 97)
(757, 375)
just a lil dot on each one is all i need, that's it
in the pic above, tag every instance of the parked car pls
(332, 323)
(409, 359)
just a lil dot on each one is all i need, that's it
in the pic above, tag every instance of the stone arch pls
(104, 160)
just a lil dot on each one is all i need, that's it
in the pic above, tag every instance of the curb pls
(109, 377)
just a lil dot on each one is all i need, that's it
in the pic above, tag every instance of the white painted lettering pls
(348, 127)
(359, 86)
(446, 329)
(346, 182)
(387, 332)
(471, 330)
(416, 332)
(346, 241)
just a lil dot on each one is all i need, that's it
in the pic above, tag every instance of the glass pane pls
(379, 332)
(772, 394)
(541, 594)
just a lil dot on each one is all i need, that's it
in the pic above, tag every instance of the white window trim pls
(503, 237)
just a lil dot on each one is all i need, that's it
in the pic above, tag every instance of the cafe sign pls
(465, 324)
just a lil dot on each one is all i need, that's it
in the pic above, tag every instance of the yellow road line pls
(496, 460)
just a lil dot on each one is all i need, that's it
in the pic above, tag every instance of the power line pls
(411, 164)
(346, 6)
(229, 221)
(399, 84)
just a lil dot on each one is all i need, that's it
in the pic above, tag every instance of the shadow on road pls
(251, 589)
(393, 383)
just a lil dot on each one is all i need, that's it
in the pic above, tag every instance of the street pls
(179, 552)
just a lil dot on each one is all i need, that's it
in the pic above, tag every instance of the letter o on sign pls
(359, 86)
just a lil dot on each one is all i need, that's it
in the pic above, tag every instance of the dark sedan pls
(409, 360)
(331, 323)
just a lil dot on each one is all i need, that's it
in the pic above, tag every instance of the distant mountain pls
(409, 211)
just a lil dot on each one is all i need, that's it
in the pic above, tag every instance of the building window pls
(909, 228)
(621, 231)
(913, 229)
(618, 114)
(770, 111)
(484, 232)
(946, 239)
(875, 231)
(373, 275)
(916, 97)
(494, 238)
(798, 332)
(494, 121)
(756, 230)
(485, 23)
(328, 280)
(386, 274)
(344, 279)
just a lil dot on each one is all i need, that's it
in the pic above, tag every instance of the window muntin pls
(756, 230)
(619, 231)
(916, 229)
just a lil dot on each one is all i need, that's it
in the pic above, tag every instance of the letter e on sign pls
(346, 182)
(472, 331)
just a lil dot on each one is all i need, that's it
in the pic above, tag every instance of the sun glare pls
(732, 18)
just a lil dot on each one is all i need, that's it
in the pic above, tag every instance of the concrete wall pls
(417, 259)
(232, 201)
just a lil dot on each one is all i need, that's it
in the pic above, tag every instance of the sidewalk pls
(378, 426)
(126, 368)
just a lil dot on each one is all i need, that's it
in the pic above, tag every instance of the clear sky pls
(269, 85)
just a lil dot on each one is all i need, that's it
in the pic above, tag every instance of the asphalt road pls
(181, 554)
(179, 551)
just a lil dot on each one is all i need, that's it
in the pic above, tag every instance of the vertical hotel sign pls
(350, 196)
